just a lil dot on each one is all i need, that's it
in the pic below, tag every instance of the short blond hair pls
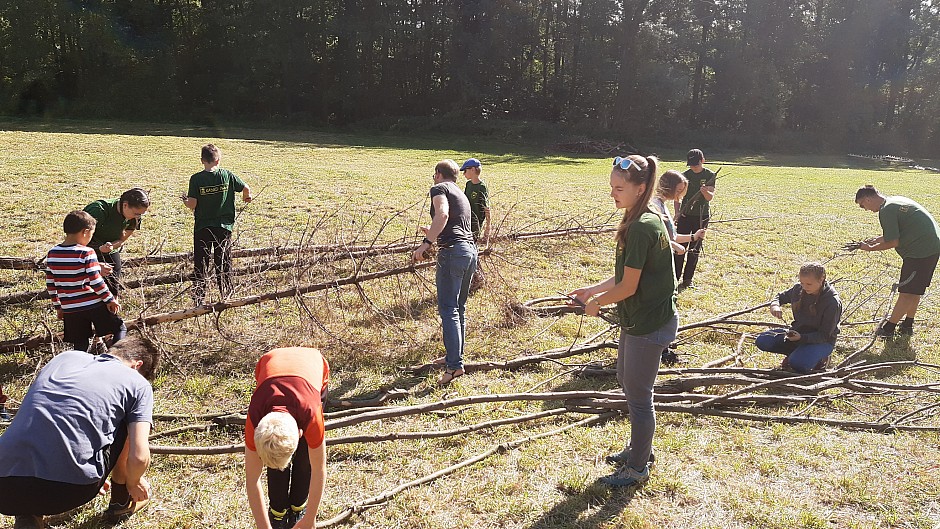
(276, 438)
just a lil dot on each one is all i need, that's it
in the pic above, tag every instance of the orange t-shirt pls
(292, 380)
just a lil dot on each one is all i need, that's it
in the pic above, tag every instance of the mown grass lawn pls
(317, 187)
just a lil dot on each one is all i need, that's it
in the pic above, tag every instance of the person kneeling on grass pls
(83, 418)
(817, 309)
(285, 433)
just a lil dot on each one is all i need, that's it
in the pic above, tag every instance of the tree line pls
(835, 74)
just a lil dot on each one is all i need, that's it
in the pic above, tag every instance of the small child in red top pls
(285, 433)
(78, 291)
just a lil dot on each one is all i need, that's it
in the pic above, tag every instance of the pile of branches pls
(588, 146)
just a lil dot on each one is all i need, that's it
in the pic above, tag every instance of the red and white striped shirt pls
(73, 278)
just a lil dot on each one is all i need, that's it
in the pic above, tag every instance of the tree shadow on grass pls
(594, 507)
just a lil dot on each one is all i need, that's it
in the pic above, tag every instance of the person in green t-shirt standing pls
(692, 213)
(117, 219)
(211, 197)
(910, 229)
(644, 289)
(479, 197)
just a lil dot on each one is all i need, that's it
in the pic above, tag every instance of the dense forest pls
(834, 74)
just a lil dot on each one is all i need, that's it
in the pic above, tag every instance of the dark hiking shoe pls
(622, 458)
(118, 513)
(904, 330)
(294, 515)
(822, 365)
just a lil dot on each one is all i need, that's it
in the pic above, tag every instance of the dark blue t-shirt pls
(70, 414)
(457, 228)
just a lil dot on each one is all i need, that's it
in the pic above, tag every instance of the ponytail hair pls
(135, 197)
(641, 172)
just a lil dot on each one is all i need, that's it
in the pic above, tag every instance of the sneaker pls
(118, 513)
(294, 516)
(785, 364)
(279, 522)
(883, 333)
(28, 521)
(627, 477)
(622, 458)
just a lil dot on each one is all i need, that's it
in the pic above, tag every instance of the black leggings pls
(290, 486)
(689, 224)
(21, 495)
(216, 242)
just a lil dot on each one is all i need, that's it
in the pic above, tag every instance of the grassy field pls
(315, 187)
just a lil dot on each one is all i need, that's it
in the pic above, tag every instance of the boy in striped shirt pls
(78, 291)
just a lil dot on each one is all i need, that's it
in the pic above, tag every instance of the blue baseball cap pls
(472, 162)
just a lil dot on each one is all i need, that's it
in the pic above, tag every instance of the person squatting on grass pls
(672, 186)
(693, 213)
(285, 433)
(211, 197)
(456, 262)
(84, 418)
(817, 309)
(644, 288)
(910, 229)
(74, 282)
(117, 219)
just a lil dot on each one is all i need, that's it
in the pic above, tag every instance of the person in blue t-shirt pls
(84, 418)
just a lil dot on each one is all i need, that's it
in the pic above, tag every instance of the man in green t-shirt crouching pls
(913, 233)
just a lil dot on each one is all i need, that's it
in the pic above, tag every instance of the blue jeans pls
(803, 357)
(455, 268)
(637, 366)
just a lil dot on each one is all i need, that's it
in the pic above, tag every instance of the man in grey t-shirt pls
(79, 416)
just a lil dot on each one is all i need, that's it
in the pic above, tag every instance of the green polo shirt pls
(647, 249)
(214, 192)
(479, 197)
(111, 224)
(911, 225)
(694, 204)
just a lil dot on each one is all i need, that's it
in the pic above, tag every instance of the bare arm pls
(708, 192)
(584, 293)
(622, 290)
(486, 231)
(190, 202)
(246, 194)
(138, 460)
(253, 472)
(878, 244)
(441, 214)
(317, 485)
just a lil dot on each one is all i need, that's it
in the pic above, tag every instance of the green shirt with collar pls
(111, 224)
(911, 225)
(647, 249)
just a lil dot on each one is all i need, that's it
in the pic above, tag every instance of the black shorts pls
(78, 325)
(24, 495)
(916, 274)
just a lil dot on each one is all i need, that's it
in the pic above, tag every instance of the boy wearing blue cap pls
(479, 197)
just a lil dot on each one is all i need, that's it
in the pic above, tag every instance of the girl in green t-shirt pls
(644, 288)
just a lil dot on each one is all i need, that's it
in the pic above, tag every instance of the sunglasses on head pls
(624, 163)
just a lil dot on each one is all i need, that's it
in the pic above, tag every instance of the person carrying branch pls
(672, 186)
(811, 338)
(912, 231)
(692, 213)
(285, 432)
(117, 219)
(83, 419)
(644, 288)
(456, 262)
